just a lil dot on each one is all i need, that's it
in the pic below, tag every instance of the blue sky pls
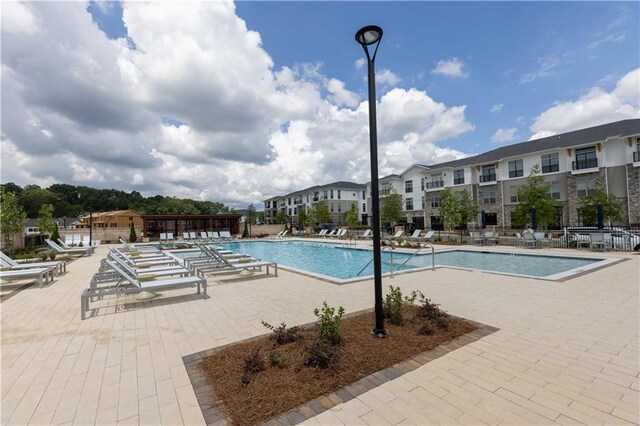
(238, 102)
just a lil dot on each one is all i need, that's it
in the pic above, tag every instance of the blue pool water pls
(345, 263)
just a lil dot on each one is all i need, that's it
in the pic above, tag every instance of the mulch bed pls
(290, 384)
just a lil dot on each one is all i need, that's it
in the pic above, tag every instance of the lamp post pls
(368, 36)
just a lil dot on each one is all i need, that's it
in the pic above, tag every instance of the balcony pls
(458, 181)
(589, 163)
(490, 177)
(434, 184)
(316, 198)
(636, 157)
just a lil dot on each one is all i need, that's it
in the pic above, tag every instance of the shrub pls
(426, 330)
(253, 364)
(392, 304)
(80, 244)
(328, 325)
(43, 255)
(432, 312)
(132, 234)
(52, 255)
(282, 334)
(276, 361)
(322, 354)
(55, 235)
(245, 233)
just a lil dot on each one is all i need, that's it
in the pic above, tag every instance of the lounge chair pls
(285, 234)
(42, 274)
(322, 233)
(341, 233)
(428, 236)
(185, 236)
(226, 235)
(105, 273)
(219, 263)
(193, 236)
(81, 244)
(72, 250)
(530, 240)
(59, 267)
(130, 284)
(492, 237)
(477, 238)
(597, 242)
(331, 233)
(398, 234)
(204, 236)
(540, 237)
(214, 235)
(367, 234)
(415, 235)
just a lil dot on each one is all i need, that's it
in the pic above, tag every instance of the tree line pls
(73, 201)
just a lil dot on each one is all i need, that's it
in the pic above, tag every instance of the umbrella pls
(483, 218)
(534, 218)
(600, 216)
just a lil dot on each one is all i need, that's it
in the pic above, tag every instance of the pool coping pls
(213, 409)
(602, 262)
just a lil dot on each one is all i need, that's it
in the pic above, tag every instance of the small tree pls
(535, 193)
(449, 209)
(468, 208)
(12, 218)
(611, 207)
(322, 212)
(352, 218)
(132, 234)
(245, 233)
(45, 222)
(55, 235)
(281, 217)
(303, 217)
(391, 210)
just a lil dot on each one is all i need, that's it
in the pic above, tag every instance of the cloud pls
(169, 116)
(547, 66)
(360, 63)
(610, 38)
(497, 107)
(504, 135)
(595, 107)
(450, 68)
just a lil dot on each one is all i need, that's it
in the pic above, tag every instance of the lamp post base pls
(380, 333)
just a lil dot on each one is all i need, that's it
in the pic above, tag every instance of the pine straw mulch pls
(279, 389)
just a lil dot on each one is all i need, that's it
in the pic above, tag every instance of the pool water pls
(345, 263)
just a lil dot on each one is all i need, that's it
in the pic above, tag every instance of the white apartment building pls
(574, 164)
(338, 196)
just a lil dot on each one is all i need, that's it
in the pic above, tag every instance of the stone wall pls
(633, 186)
(572, 193)
(494, 207)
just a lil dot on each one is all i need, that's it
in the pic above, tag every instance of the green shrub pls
(426, 330)
(432, 312)
(52, 255)
(80, 244)
(245, 233)
(392, 304)
(253, 364)
(282, 334)
(132, 234)
(276, 361)
(322, 354)
(43, 255)
(55, 235)
(328, 325)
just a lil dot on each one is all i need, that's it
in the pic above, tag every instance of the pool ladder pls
(427, 245)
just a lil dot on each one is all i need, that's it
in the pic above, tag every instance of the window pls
(550, 163)
(332, 194)
(290, 212)
(364, 195)
(515, 168)
(364, 208)
(636, 154)
(554, 191)
(488, 173)
(436, 181)
(339, 207)
(458, 177)
(267, 204)
(331, 207)
(289, 203)
(586, 186)
(436, 224)
(585, 158)
(423, 202)
(489, 197)
(295, 211)
(421, 184)
(513, 193)
(492, 219)
(409, 204)
(307, 198)
(435, 200)
(338, 194)
(408, 186)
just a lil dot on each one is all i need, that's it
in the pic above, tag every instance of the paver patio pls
(566, 352)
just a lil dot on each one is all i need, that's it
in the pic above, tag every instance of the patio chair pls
(163, 236)
(398, 234)
(285, 234)
(608, 241)
(43, 275)
(59, 267)
(582, 240)
(596, 242)
(428, 236)
(367, 234)
(492, 237)
(204, 236)
(530, 240)
(226, 235)
(130, 284)
(186, 236)
(331, 233)
(322, 232)
(219, 263)
(519, 240)
(72, 250)
(542, 239)
(415, 235)
(477, 238)
(213, 235)
(193, 236)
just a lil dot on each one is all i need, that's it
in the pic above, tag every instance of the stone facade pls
(572, 193)
(491, 207)
(633, 186)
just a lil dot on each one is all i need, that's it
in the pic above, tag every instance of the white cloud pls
(19, 18)
(106, 120)
(450, 68)
(497, 107)
(595, 107)
(360, 63)
(547, 66)
(504, 135)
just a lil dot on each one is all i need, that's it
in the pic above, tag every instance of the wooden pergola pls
(154, 224)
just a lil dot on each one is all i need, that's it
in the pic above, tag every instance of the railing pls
(551, 168)
(589, 163)
(369, 262)
(458, 181)
(434, 184)
(433, 256)
(636, 156)
(488, 177)
(516, 173)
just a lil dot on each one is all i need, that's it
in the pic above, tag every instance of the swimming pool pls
(344, 263)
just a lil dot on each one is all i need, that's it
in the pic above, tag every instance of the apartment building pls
(574, 164)
(338, 196)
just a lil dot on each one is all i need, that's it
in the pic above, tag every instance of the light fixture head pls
(369, 35)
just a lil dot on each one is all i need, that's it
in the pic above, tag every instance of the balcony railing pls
(491, 177)
(551, 168)
(434, 184)
(316, 199)
(458, 181)
(589, 163)
(636, 157)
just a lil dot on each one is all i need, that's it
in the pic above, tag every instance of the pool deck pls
(565, 352)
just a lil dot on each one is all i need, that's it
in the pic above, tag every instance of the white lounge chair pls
(322, 232)
(367, 234)
(477, 238)
(128, 284)
(530, 240)
(219, 263)
(398, 234)
(43, 275)
(415, 235)
(59, 267)
(72, 250)
(204, 236)
(226, 235)
(214, 235)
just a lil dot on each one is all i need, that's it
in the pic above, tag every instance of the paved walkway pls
(566, 352)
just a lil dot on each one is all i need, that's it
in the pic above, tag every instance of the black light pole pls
(90, 228)
(367, 36)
